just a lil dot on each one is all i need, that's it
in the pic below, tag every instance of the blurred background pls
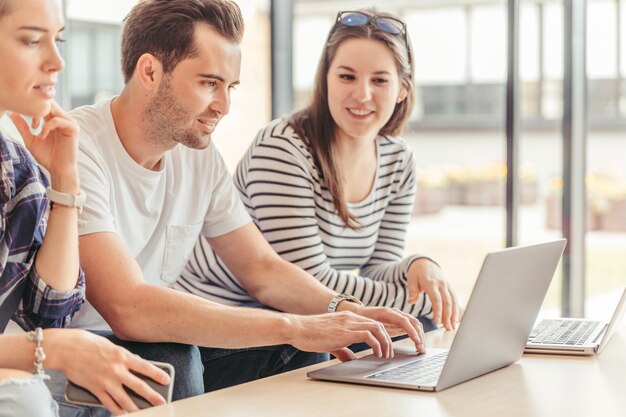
(457, 130)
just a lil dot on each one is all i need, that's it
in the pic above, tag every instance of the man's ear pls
(149, 71)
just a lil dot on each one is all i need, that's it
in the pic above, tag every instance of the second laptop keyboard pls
(563, 332)
(423, 371)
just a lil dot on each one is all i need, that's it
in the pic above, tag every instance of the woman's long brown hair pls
(315, 125)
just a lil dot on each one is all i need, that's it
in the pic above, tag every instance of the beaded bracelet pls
(37, 337)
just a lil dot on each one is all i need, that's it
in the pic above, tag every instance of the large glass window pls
(606, 162)
(541, 150)
(94, 62)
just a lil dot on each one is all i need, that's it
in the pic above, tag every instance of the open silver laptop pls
(500, 314)
(567, 336)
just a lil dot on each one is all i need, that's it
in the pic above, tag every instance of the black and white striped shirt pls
(285, 194)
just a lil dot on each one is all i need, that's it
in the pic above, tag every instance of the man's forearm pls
(266, 276)
(166, 315)
(287, 287)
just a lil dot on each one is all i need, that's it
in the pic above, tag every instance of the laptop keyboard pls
(424, 371)
(562, 332)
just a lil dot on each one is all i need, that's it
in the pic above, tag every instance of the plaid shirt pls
(23, 214)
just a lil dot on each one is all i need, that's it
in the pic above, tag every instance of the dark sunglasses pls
(387, 24)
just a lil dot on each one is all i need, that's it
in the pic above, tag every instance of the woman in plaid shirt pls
(41, 285)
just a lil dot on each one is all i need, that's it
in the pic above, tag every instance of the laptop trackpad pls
(371, 364)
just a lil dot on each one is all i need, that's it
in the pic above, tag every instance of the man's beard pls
(165, 118)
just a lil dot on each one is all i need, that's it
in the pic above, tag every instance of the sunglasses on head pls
(387, 24)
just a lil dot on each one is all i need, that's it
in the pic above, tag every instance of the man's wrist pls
(351, 307)
(287, 328)
(342, 302)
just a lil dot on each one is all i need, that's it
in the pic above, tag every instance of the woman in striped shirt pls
(41, 285)
(332, 187)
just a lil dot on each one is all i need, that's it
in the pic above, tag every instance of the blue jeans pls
(185, 359)
(26, 397)
(226, 367)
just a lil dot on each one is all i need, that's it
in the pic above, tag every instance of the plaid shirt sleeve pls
(24, 210)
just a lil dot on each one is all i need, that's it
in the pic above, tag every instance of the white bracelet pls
(37, 337)
(67, 200)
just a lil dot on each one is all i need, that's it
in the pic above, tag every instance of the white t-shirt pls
(158, 215)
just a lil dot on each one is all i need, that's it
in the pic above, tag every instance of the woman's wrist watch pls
(67, 200)
(338, 298)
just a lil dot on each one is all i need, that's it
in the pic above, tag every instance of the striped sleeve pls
(282, 190)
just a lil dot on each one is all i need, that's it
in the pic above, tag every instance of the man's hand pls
(335, 331)
(425, 276)
(395, 321)
(371, 325)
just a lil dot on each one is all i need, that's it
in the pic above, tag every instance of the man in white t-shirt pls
(155, 183)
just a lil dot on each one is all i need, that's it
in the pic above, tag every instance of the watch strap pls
(338, 298)
(65, 199)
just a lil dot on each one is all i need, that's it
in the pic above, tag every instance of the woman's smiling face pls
(363, 88)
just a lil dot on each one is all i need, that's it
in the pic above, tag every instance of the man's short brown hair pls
(165, 29)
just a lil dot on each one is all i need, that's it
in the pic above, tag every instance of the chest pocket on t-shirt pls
(179, 243)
